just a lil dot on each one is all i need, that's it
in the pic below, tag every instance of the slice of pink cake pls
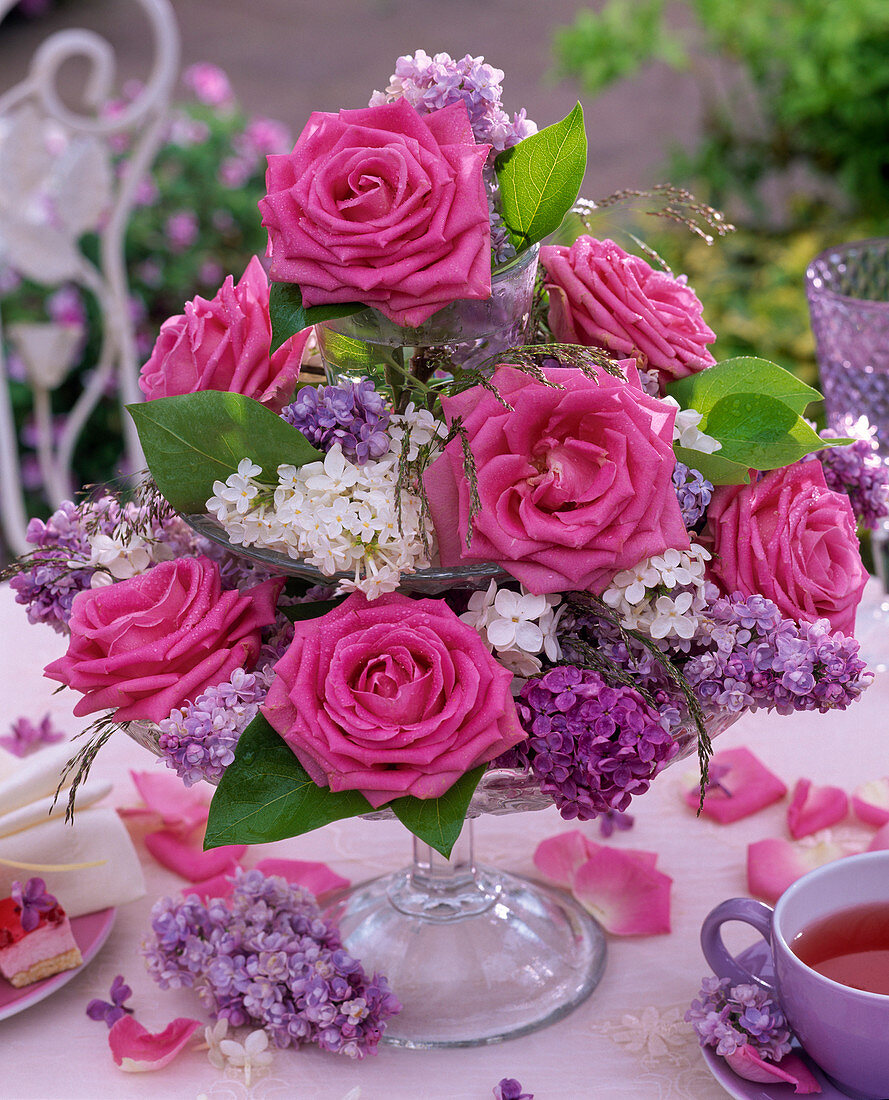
(31, 954)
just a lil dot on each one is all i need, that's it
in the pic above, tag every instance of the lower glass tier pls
(475, 955)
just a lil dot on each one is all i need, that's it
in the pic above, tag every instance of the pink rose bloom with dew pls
(223, 344)
(391, 697)
(574, 480)
(148, 644)
(600, 296)
(790, 538)
(384, 207)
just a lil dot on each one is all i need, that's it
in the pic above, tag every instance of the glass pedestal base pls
(474, 955)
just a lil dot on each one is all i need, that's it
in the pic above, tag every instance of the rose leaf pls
(289, 315)
(265, 794)
(194, 439)
(760, 431)
(540, 179)
(716, 468)
(438, 821)
(742, 376)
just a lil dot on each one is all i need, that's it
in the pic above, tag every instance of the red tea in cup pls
(850, 946)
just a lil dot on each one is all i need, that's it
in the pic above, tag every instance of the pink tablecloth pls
(627, 1041)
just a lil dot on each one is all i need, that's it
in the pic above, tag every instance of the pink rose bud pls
(224, 345)
(791, 539)
(600, 296)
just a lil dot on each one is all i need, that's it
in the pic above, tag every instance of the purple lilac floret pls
(111, 1011)
(25, 737)
(32, 899)
(614, 819)
(267, 958)
(352, 414)
(592, 746)
(508, 1088)
(693, 491)
(859, 471)
(728, 1017)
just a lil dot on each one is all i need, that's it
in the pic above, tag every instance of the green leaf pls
(313, 609)
(716, 469)
(290, 316)
(195, 439)
(744, 375)
(265, 794)
(438, 821)
(540, 179)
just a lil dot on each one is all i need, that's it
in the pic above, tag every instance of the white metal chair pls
(56, 184)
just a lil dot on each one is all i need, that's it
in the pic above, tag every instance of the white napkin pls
(33, 833)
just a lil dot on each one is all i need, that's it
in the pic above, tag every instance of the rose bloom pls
(148, 644)
(392, 697)
(600, 296)
(574, 482)
(384, 207)
(224, 345)
(790, 538)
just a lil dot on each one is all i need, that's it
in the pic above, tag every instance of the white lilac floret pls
(662, 596)
(728, 1017)
(516, 626)
(266, 957)
(686, 432)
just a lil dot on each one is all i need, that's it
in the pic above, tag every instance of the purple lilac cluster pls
(860, 472)
(694, 492)
(728, 1017)
(591, 745)
(756, 659)
(198, 740)
(352, 414)
(58, 569)
(25, 736)
(266, 957)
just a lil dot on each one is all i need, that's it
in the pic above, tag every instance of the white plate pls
(90, 933)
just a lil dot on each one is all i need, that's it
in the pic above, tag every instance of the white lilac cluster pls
(340, 516)
(686, 432)
(119, 555)
(662, 596)
(516, 626)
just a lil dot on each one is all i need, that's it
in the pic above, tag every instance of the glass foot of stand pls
(475, 955)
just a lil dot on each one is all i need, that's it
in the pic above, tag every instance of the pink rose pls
(790, 538)
(146, 645)
(224, 345)
(392, 697)
(600, 296)
(382, 207)
(574, 482)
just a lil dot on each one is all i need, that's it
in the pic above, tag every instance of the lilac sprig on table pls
(728, 1017)
(352, 414)
(859, 471)
(266, 957)
(111, 1011)
(592, 745)
(25, 736)
(508, 1088)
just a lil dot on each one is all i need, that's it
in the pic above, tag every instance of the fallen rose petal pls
(880, 840)
(219, 886)
(746, 1062)
(315, 877)
(870, 802)
(745, 786)
(136, 1050)
(559, 857)
(813, 808)
(774, 864)
(624, 893)
(190, 862)
(178, 808)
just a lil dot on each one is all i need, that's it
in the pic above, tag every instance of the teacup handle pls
(724, 965)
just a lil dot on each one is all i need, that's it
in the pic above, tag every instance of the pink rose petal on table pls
(624, 892)
(178, 808)
(188, 860)
(813, 808)
(744, 788)
(315, 877)
(870, 802)
(774, 864)
(560, 857)
(880, 839)
(136, 1050)
(746, 1062)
